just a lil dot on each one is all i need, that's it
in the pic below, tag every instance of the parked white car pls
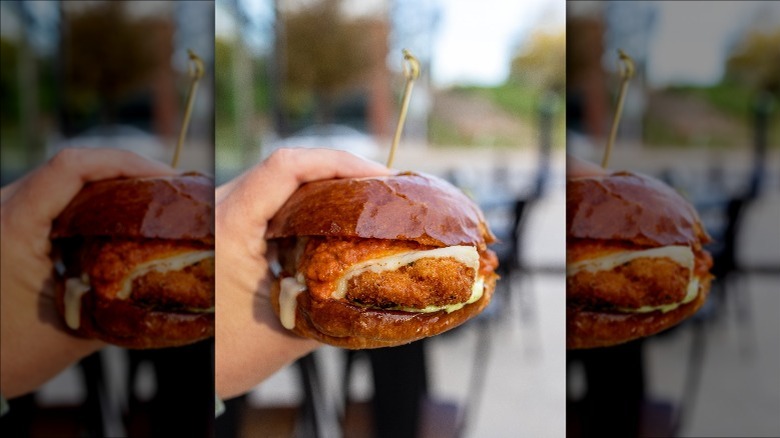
(117, 136)
(330, 136)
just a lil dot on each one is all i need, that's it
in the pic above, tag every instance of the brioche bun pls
(635, 262)
(135, 261)
(379, 262)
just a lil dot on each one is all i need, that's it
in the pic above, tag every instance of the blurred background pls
(103, 74)
(702, 114)
(109, 74)
(488, 115)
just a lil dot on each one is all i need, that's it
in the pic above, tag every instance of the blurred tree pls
(227, 86)
(25, 114)
(325, 51)
(223, 80)
(108, 54)
(9, 94)
(541, 61)
(756, 61)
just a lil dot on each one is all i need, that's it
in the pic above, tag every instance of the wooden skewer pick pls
(411, 73)
(196, 72)
(626, 73)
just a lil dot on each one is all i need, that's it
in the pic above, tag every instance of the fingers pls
(97, 164)
(9, 189)
(47, 190)
(265, 188)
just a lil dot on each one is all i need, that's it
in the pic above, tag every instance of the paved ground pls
(739, 391)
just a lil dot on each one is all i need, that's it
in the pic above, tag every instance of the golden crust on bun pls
(135, 261)
(635, 259)
(377, 262)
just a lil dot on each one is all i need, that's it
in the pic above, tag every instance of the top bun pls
(407, 206)
(175, 207)
(633, 208)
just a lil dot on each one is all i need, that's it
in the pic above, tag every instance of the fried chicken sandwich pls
(134, 261)
(382, 261)
(635, 262)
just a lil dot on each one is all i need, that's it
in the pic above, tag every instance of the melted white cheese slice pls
(75, 288)
(682, 255)
(464, 254)
(174, 263)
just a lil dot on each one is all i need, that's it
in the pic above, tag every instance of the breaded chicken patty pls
(640, 282)
(425, 282)
(191, 288)
(109, 262)
(635, 283)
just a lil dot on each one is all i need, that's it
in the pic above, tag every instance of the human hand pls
(251, 343)
(35, 345)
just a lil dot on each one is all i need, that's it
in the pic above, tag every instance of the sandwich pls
(635, 263)
(134, 261)
(381, 261)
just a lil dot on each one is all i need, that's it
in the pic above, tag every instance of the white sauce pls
(290, 288)
(175, 263)
(75, 288)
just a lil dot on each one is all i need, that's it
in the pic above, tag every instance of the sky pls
(692, 39)
(476, 39)
(473, 41)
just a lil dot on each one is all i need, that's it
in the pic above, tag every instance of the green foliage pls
(226, 87)
(324, 50)
(658, 132)
(107, 56)
(756, 61)
(728, 97)
(541, 61)
(262, 85)
(443, 133)
(223, 81)
(12, 93)
(735, 100)
(9, 94)
(440, 132)
(518, 100)
(515, 98)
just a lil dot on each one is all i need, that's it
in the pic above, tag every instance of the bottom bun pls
(122, 323)
(341, 324)
(591, 329)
